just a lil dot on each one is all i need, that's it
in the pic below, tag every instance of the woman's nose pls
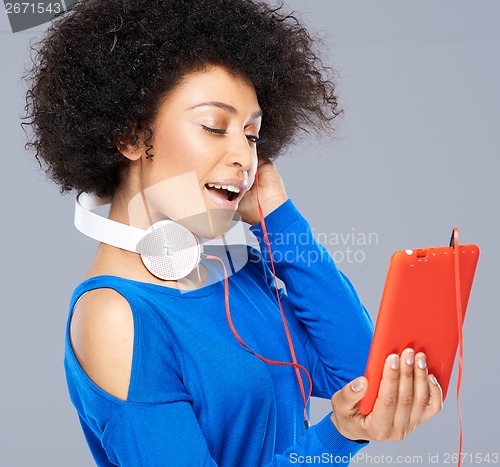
(241, 153)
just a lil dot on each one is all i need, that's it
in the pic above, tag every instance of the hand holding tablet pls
(418, 329)
(418, 310)
(407, 397)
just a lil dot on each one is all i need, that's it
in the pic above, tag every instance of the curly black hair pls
(100, 72)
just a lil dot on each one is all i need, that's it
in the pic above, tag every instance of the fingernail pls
(421, 362)
(433, 379)
(356, 386)
(410, 357)
(394, 362)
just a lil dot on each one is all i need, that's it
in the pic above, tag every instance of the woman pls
(175, 109)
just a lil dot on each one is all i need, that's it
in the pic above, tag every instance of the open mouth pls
(226, 192)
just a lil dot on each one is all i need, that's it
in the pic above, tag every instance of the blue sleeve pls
(156, 435)
(166, 431)
(319, 298)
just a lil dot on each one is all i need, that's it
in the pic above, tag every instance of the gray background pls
(416, 153)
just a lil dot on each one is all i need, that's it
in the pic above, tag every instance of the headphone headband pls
(102, 229)
(168, 250)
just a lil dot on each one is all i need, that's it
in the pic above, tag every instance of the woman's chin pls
(210, 225)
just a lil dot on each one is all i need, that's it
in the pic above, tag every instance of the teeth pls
(232, 188)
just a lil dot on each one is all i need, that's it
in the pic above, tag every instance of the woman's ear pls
(131, 146)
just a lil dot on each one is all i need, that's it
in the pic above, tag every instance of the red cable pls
(458, 295)
(240, 340)
(294, 363)
(289, 337)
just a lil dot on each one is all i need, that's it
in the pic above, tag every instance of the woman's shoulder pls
(119, 332)
(102, 337)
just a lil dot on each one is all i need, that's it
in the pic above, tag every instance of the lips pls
(226, 193)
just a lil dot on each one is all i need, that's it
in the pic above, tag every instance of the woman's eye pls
(253, 138)
(217, 131)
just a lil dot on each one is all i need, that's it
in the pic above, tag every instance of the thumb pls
(345, 406)
(356, 390)
(351, 393)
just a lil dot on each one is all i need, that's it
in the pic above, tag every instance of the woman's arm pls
(318, 295)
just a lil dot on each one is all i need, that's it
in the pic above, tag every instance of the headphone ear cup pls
(169, 251)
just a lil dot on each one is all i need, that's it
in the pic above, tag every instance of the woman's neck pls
(127, 208)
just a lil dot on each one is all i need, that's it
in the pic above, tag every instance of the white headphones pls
(168, 250)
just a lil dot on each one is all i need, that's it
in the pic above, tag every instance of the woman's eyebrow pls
(226, 107)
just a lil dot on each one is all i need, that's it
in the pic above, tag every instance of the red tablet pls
(419, 310)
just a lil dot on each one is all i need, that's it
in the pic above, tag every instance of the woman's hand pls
(407, 397)
(271, 193)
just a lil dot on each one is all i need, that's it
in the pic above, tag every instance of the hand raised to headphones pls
(271, 193)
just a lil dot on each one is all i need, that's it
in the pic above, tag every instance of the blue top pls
(196, 396)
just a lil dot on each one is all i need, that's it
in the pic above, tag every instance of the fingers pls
(406, 398)
(406, 393)
(435, 400)
(384, 410)
(421, 391)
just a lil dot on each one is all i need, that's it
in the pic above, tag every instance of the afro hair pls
(101, 70)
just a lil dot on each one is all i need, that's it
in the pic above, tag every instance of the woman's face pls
(204, 146)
